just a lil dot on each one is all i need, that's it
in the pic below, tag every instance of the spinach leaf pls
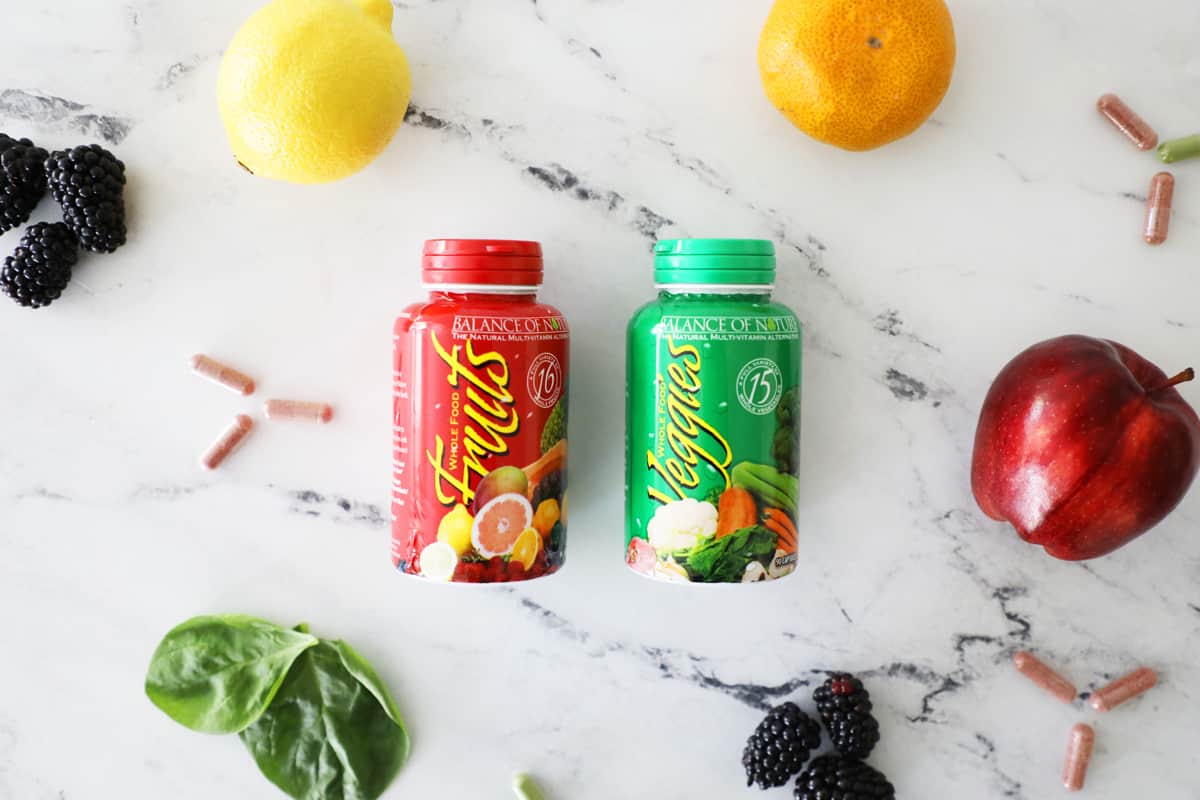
(725, 559)
(333, 732)
(218, 674)
(362, 670)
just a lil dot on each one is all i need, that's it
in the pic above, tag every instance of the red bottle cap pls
(481, 262)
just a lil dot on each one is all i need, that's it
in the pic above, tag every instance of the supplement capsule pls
(222, 374)
(1158, 208)
(1079, 754)
(1179, 149)
(525, 788)
(1123, 689)
(298, 410)
(1037, 671)
(230, 438)
(1127, 122)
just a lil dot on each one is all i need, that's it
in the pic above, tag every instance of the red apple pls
(1083, 445)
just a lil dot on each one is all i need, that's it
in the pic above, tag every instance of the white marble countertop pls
(593, 126)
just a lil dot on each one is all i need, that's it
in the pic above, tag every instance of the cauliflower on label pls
(754, 573)
(681, 525)
(670, 570)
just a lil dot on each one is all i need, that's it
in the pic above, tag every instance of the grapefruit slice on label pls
(500, 523)
(438, 561)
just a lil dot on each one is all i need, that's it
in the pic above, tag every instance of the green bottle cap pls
(714, 262)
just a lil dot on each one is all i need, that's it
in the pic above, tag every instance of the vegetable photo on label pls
(768, 484)
(726, 559)
(781, 524)
(681, 525)
(785, 445)
(735, 510)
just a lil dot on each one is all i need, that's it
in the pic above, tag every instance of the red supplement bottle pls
(479, 441)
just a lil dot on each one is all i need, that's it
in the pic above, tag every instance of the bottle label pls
(713, 446)
(479, 483)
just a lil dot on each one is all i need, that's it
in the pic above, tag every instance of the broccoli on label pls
(783, 450)
(785, 446)
(555, 429)
(789, 407)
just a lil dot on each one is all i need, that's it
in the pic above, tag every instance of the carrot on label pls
(784, 521)
(735, 510)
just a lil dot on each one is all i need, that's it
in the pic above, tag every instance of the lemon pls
(438, 561)
(313, 90)
(526, 547)
(455, 529)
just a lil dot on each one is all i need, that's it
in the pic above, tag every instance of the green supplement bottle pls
(712, 418)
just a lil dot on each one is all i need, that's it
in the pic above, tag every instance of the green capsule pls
(525, 787)
(1179, 149)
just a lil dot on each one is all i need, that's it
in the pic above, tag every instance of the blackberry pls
(841, 778)
(22, 180)
(549, 488)
(555, 546)
(779, 746)
(89, 183)
(845, 708)
(40, 268)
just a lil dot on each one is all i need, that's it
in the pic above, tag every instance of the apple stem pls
(1187, 375)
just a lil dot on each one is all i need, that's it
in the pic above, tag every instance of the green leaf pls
(333, 731)
(362, 670)
(724, 560)
(713, 496)
(218, 674)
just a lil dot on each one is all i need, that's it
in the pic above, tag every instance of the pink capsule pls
(1124, 689)
(222, 374)
(1037, 671)
(1127, 122)
(298, 410)
(1158, 208)
(1079, 755)
(238, 430)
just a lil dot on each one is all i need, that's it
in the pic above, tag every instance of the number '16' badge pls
(545, 380)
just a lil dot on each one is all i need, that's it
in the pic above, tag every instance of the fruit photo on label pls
(500, 523)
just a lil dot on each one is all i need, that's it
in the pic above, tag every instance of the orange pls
(526, 548)
(857, 74)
